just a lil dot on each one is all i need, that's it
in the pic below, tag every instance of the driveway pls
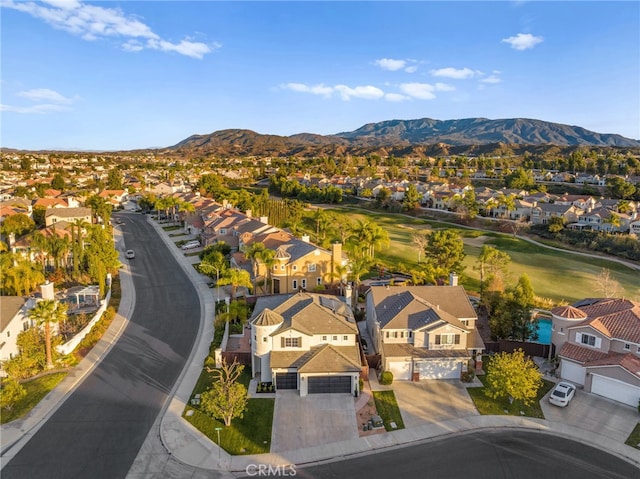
(317, 419)
(429, 401)
(595, 414)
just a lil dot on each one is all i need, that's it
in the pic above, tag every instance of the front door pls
(276, 286)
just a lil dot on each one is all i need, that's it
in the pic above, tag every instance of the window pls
(588, 339)
(447, 339)
(410, 334)
(8, 334)
(324, 338)
(281, 267)
(264, 339)
(395, 334)
(295, 284)
(303, 283)
(25, 325)
(290, 342)
(335, 338)
(387, 334)
(319, 281)
(312, 268)
(223, 231)
(345, 338)
(295, 267)
(627, 347)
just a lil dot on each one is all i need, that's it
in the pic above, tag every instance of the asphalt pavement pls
(188, 448)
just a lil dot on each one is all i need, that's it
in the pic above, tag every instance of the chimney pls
(453, 279)
(305, 238)
(347, 294)
(46, 290)
(336, 253)
(248, 213)
(264, 219)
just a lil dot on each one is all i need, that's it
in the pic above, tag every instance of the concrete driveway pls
(316, 419)
(430, 401)
(594, 413)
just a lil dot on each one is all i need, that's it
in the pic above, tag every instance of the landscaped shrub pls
(360, 384)
(386, 378)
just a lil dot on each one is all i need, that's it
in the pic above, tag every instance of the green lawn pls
(388, 409)
(37, 389)
(171, 228)
(250, 434)
(550, 271)
(634, 438)
(501, 407)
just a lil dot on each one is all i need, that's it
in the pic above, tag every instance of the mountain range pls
(406, 137)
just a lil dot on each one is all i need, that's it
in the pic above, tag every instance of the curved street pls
(98, 431)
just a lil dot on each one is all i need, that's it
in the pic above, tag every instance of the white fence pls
(72, 344)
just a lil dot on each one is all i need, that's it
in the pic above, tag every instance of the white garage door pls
(616, 390)
(439, 369)
(400, 369)
(572, 372)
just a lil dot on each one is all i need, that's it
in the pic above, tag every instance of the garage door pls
(400, 369)
(329, 384)
(439, 369)
(616, 390)
(572, 372)
(286, 380)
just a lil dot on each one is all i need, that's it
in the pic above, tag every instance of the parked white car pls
(130, 254)
(562, 393)
(191, 244)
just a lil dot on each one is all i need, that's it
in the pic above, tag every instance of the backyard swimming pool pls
(544, 331)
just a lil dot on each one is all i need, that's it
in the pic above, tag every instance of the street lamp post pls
(218, 429)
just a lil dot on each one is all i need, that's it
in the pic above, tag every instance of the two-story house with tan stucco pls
(598, 344)
(423, 332)
(306, 342)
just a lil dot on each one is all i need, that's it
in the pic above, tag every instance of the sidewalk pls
(186, 444)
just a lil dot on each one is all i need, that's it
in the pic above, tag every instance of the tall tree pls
(513, 376)
(492, 264)
(411, 198)
(18, 225)
(227, 398)
(444, 254)
(44, 314)
(237, 278)
(420, 240)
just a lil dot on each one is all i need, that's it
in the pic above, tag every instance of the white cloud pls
(44, 94)
(47, 101)
(522, 41)
(366, 92)
(92, 22)
(422, 91)
(393, 65)
(444, 87)
(396, 97)
(455, 73)
(491, 79)
(390, 64)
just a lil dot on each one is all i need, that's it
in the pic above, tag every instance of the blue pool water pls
(544, 331)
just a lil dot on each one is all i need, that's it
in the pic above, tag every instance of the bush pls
(361, 385)
(386, 378)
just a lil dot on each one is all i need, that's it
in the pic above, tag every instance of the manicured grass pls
(171, 228)
(250, 434)
(246, 435)
(388, 409)
(549, 271)
(634, 438)
(37, 389)
(501, 407)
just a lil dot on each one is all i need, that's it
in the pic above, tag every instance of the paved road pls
(99, 430)
(486, 454)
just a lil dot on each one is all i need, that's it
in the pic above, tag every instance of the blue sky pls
(137, 74)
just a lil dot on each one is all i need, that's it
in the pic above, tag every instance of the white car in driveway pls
(562, 394)
(130, 254)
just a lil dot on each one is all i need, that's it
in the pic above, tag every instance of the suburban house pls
(543, 212)
(423, 332)
(298, 264)
(14, 318)
(115, 197)
(305, 342)
(598, 344)
(67, 215)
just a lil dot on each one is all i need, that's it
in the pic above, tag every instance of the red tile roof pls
(616, 318)
(568, 312)
(628, 361)
(580, 354)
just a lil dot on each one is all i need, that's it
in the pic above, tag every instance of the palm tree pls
(236, 278)
(268, 257)
(44, 313)
(253, 252)
(359, 267)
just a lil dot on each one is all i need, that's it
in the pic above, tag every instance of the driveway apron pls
(313, 420)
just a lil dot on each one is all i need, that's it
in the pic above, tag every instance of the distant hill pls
(406, 137)
(478, 131)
